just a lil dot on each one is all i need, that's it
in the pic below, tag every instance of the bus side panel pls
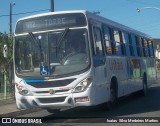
(151, 71)
(101, 85)
(116, 67)
(134, 74)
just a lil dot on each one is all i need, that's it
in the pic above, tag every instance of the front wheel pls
(113, 96)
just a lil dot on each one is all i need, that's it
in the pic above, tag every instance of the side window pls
(151, 50)
(145, 48)
(118, 47)
(126, 46)
(140, 41)
(98, 41)
(108, 44)
(134, 45)
(131, 46)
(139, 46)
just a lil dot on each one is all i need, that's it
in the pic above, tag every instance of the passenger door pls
(99, 62)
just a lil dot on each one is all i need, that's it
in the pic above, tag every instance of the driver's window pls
(98, 42)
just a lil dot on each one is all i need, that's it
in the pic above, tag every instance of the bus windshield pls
(54, 53)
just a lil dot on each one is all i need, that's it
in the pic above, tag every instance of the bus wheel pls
(145, 88)
(113, 96)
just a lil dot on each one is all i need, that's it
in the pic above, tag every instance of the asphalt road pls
(130, 107)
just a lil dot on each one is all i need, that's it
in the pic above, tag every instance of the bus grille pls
(51, 100)
(49, 84)
(47, 92)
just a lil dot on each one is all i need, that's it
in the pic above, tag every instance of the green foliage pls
(5, 39)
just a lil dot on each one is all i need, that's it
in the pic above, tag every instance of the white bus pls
(77, 58)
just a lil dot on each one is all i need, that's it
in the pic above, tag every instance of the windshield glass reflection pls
(57, 53)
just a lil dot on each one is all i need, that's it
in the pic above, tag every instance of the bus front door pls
(99, 62)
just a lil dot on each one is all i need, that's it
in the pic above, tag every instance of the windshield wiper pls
(39, 45)
(60, 39)
(63, 35)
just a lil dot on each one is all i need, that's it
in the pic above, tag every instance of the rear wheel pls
(145, 88)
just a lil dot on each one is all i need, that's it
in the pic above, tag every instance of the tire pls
(113, 95)
(145, 88)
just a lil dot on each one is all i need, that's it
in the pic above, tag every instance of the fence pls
(6, 83)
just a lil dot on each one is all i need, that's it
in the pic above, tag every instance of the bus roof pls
(117, 25)
(53, 13)
(95, 17)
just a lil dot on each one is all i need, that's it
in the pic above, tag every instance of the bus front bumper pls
(64, 101)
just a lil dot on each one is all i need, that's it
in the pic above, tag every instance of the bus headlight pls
(82, 86)
(22, 90)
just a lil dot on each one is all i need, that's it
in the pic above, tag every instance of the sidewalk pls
(8, 109)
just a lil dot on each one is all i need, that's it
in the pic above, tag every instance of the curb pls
(20, 112)
(5, 102)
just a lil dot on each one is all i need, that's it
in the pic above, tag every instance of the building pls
(156, 45)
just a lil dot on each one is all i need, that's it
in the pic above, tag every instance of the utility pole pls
(10, 18)
(52, 5)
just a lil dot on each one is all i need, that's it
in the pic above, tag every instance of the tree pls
(5, 39)
(6, 65)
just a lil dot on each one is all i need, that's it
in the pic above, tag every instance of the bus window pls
(117, 49)
(134, 45)
(131, 46)
(140, 42)
(126, 46)
(145, 48)
(139, 46)
(98, 42)
(108, 45)
(151, 50)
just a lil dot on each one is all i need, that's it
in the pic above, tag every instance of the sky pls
(121, 11)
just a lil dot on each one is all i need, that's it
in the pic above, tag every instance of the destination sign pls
(50, 22)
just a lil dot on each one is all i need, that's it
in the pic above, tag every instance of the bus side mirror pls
(5, 50)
